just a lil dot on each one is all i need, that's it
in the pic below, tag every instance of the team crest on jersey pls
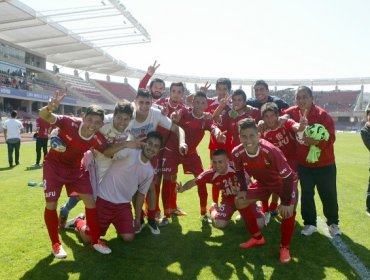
(68, 137)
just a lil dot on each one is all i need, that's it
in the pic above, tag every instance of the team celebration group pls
(259, 149)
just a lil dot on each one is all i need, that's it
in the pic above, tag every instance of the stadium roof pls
(73, 34)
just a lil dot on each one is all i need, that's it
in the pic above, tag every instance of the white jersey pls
(155, 118)
(127, 175)
(112, 136)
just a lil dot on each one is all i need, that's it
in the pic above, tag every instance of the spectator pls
(42, 135)
(12, 134)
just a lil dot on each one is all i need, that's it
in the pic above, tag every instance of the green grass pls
(185, 249)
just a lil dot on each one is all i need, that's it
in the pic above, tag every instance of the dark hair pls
(269, 107)
(95, 110)
(124, 107)
(143, 93)
(305, 90)
(247, 123)
(14, 114)
(261, 83)
(156, 135)
(200, 94)
(219, 152)
(156, 80)
(241, 93)
(224, 81)
(179, 84)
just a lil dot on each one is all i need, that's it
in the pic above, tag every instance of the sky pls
(261, 39)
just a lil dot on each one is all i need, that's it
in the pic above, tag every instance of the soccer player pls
(261, 91)
(43, 129)
(223, 177)
(130, 173)
(194, 123)
(156, 86)
(282, 135)
(365, 136)
(323, 173)
(64, 168)
(168, 106)
(115, 132)
(146, 119)
(240, 110)
(223, 90)
(272, 174)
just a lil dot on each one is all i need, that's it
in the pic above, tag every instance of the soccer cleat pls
(206, 219)
(284, 255)
(153, 227)
(164, 222)
(334, 230)
(102, 248)
(308, 230)
(253, 242)
(62, 221)
(70, 224)
(178, 212)
(58, 251)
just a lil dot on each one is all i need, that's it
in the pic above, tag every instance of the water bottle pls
(32, 184)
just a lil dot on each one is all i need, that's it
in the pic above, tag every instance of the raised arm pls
(46, 112)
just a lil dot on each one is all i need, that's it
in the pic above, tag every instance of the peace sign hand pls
(303, 122)
(153, 68)
(54, 102)
(205, 87)
(221, 137)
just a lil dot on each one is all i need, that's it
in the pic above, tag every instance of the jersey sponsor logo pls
(50, 194)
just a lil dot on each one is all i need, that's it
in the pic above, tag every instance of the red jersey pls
(194, 128)
(76, 145)
(213, 144)
(283, 137)
(227, 183)
(315, 115)
(169, 138)
(43, 128)
(230, 119)
(268, 166)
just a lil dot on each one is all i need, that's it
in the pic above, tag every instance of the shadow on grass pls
(202, 253)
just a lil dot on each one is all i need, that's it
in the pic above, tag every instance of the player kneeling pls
(223, 177)
(130, 167)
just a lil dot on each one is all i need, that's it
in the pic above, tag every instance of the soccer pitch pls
(186, 248)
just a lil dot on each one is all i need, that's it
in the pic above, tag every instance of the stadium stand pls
(119, 90)
(83, 88)
(337, 101)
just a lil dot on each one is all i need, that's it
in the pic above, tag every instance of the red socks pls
(166, 194)
(203, 195)
(287, 229)
(92, 223)
(250, 221)
(51, 221)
